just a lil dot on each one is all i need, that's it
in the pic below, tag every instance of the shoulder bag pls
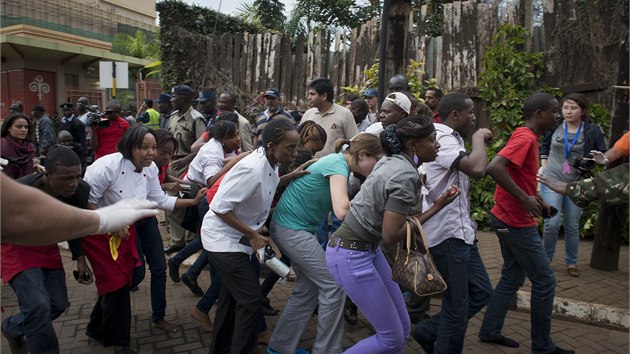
(415, 270)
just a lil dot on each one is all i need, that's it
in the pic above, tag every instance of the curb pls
(586, 312)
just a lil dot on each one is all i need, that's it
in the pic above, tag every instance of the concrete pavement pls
(607, 289)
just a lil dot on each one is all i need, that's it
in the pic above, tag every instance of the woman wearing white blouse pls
(129, 173)
(231, 231)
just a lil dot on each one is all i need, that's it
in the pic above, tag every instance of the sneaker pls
(192, 285)
(172, 248)
(350, 314)
(173, 271)
(268, 310)
(16, 345)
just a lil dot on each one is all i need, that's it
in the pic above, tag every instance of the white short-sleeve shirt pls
(113, 177)
(208, 162)
(247, 190)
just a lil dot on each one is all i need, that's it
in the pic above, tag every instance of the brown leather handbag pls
(415, 270)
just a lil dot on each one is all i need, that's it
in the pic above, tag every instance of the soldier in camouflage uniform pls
(610, 186)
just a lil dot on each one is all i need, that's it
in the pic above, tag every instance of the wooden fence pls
(250, 63)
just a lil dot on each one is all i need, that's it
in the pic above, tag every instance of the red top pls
(522, 150)
(213, 190)
(28, 257)
(436, 117)
(108, 137)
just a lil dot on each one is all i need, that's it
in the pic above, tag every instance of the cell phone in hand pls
(85, 277)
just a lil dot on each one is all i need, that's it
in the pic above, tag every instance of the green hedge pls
(175, 16)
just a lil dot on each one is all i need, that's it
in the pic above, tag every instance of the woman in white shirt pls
(231, 231)
(129, 173)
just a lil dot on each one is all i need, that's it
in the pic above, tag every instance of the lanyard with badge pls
(566, 168)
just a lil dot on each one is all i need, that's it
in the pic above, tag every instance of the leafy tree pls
(140, 45)
(511, 74)
(328, 14)
(268, 14)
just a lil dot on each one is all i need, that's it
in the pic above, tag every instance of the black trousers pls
(236, 325)
(110, 319)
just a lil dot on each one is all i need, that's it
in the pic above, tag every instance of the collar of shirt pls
(330, 110)
(67, 119)
(446, 130)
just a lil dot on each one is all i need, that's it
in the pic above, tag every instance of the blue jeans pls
(322, 229)
(149, 245)
(191, 248)
(523, 254)
(572, 214)
(212, 293)
(469, 290)
(367, 279)
(42, 296)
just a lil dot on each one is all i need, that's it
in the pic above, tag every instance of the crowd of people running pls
(331, 191)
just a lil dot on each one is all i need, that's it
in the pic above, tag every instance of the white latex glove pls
(122, 213)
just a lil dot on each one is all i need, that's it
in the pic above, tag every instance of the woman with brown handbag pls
(378, 214)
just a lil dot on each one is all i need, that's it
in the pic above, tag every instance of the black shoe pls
(192, 285)
(559, 350)
(16, 345)
(95, 336)
(123, 350)
(267, 309)
(172, 249)
(173, 271)
(502, 340)
(350, 314)
(427, 346)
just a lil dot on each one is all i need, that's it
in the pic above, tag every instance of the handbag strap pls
(421, 232)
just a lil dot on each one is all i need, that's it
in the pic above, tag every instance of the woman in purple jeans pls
(378, 214)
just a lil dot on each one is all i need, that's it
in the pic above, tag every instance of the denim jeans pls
(367, 279)
(200, 263)
(469, 290)
(42, 296)
(212, 293)
(571, 214)
(149, 245)
(323, 232)
(523, 254)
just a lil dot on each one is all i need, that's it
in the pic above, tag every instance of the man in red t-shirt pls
(106, 136)
(514, 221)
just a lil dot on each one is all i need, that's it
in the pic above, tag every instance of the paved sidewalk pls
(606, 288)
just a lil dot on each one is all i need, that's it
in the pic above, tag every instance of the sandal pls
(573, 271)
(165, 326)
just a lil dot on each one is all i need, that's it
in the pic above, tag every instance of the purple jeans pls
(367, 280)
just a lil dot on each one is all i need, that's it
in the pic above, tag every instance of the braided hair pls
(394, 137)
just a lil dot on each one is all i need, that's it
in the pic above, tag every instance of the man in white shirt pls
(336, 120)
(451, 232)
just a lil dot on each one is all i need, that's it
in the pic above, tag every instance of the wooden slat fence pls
(250, 63)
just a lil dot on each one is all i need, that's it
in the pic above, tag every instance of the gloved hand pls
(122, 213)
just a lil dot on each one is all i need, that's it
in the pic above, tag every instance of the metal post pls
(113, 79)
(383, 51)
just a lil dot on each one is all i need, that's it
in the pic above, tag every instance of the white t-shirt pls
(207, 163)
(247, 190)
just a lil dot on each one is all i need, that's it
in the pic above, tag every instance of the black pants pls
(236, 325)
(110, 319)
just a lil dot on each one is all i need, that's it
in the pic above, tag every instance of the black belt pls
(352, 245)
